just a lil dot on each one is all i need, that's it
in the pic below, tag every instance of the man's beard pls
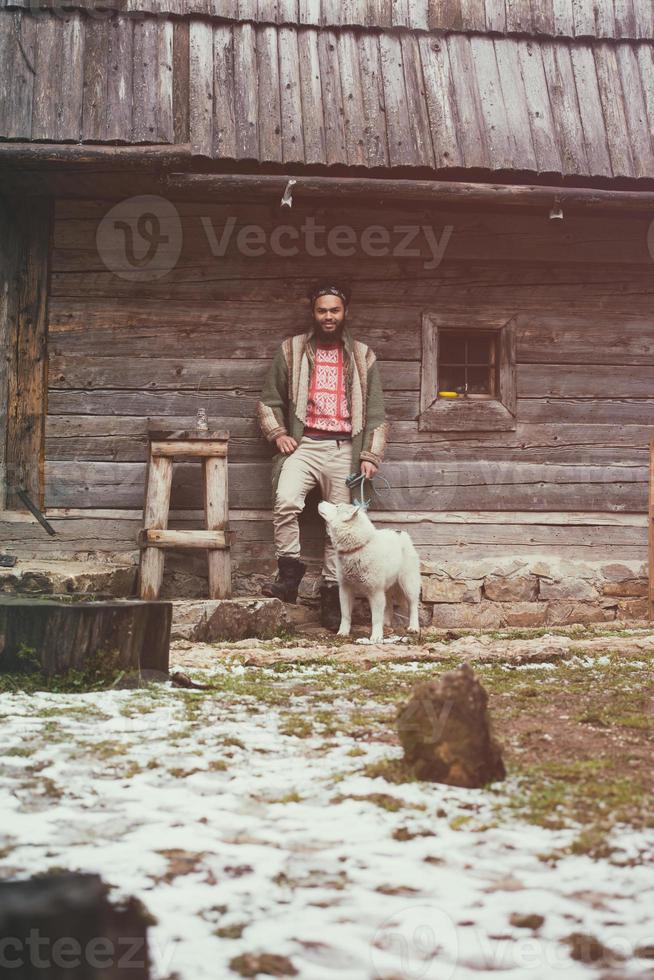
(329, 338)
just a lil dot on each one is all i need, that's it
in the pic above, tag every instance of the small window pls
(467, 363)
(468, 378)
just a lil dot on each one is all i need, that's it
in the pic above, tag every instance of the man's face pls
(329, 314)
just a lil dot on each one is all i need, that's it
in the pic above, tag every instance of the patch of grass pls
(456, 823)
(82, 712)
(129, 771)
(256, 683)
(218, 765)
(285, 634)
(288, 798)
(105, 750)
(392, 770)
(296, 725)
(24, 673)
(230, 741)
(25, 660)
(584, 793)
(231, 932)
(383, 800)
(181, 734)
(42, 786)
(619, 709)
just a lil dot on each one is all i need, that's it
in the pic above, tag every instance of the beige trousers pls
(324, 463)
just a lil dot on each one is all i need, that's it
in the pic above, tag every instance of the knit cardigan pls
(282, 409)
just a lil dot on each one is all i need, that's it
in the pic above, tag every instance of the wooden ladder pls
(650, 511)
(166, 448)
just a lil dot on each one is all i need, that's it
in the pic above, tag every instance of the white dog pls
(370, 563)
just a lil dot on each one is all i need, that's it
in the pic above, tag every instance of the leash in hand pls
(358, 481)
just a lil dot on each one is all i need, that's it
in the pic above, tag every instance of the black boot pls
(330, 608)
(285, 587)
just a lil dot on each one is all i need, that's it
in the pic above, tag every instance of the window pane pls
(451, 378)
(479, 349)
(478, 381)
(452, 347)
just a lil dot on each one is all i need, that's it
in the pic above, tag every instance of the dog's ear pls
(353, 511)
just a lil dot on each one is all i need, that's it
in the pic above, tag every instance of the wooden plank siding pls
(628, 19)
(23, 323)
(332, 95)
(570, 481)
(442, 537)
(8, 268)
(82, 79)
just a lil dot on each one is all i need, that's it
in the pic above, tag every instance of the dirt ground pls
(266, 817)
(573, 707)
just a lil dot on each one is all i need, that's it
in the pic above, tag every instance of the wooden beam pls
(7, 302)
(524, 518)
(157, 505)
(155, 538)
(268, 187)
(148, 158)
(565, 518)
(194, 449)
(375, 190)
(651, 530)
(25, 340)
(216, 505)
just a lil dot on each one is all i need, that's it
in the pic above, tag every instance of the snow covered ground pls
(223, 816)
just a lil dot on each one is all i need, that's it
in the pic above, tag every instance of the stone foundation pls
(67, 577)
(537, 591)
(491, 593)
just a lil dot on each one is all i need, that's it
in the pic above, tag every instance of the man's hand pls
(369, 470)
(286, 445)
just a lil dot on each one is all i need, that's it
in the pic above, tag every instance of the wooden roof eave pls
(566, 19)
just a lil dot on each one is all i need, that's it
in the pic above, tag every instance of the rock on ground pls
(445, 732)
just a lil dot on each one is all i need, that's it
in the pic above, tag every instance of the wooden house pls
(481, 172)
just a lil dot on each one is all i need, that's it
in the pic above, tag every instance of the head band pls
(329, 291)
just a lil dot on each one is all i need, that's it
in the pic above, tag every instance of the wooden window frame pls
(491, 366)
(469, 414)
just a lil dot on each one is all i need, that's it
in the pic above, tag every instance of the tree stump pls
(65, 634)
(64, 926)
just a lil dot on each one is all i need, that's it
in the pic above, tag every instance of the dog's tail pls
(408, 547)
(410, 576)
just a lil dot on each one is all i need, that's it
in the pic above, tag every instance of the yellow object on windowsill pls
(448, 394)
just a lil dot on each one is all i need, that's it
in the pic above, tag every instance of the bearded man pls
(322, 407)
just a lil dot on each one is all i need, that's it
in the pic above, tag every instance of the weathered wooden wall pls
(7, 273)
(571, 480)
(24, 260)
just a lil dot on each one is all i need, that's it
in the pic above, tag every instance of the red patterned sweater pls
(327, 408)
